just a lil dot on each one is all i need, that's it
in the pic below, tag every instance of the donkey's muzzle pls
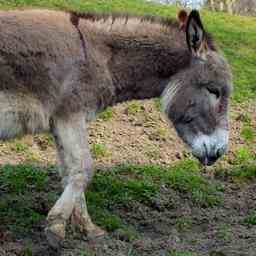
(208, 149)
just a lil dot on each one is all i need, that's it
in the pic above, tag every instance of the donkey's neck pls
(141, 68)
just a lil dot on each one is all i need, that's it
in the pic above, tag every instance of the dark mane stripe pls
(93, 16)
(162, 21)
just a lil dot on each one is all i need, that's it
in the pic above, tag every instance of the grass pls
(27, 252)
(98, 150)
(183, 223)
(106, 115)
(248, 133)
(251, 219)
(243, 155)
(22, 178)
(133, 108)
(20, 209)
(116, 189)
(87, 253)
(121, 185)
(224, 233)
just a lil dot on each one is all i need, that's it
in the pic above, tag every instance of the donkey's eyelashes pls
(214, 91)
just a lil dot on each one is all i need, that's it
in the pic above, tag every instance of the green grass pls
(243, 155)
(106, 115)
(22, 178)
(121, 185)
(87, 253)
(248, 133)
(19, 147)
(98, 150)
(183, 223)
(224, 233)
(27, 252)
(133, 108)
(251, 219)
(24, 195)
(235, 35)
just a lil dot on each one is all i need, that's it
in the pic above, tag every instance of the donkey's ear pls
(195, 35)
(182, 17)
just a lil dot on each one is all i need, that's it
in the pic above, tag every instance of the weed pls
(243, 155)
(98, 150)
(133, 108)
(248, 133)
(32, 157)
(224, 233)
(44, 141)
(251, 219)
(184, 223)
(157, 103)
(19, 147)
(160, 133)
(131, 252)
(107, 114)
(87, 253)
(27, 251)
(246, 171)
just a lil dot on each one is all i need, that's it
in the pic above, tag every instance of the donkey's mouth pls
(207, 161)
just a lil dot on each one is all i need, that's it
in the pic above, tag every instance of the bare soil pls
(141, 138)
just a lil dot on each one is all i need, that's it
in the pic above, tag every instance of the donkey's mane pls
(113, 16)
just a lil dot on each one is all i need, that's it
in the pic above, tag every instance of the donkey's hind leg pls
(76, 162)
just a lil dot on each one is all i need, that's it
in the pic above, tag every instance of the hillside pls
(149, 193)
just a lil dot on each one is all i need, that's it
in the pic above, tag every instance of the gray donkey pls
(58, 69)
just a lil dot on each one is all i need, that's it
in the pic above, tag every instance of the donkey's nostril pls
(212, 159)
(219, 153)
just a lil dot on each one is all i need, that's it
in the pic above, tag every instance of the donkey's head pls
(196, 99)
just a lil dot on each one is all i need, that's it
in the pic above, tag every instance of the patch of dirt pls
(142, 138)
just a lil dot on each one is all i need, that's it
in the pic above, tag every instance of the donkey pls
(59, 69)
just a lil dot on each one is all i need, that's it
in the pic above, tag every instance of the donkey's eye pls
(188, 119)
(214, 92)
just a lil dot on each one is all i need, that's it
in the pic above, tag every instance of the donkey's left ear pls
(195, 35)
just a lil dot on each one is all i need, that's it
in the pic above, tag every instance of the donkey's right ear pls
(195, 35)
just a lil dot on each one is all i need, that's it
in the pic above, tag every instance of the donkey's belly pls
(21, 114)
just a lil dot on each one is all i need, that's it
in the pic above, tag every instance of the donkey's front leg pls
(73, 150)
(81, 219)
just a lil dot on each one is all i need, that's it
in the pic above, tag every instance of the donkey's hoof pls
(86, 226)
(94, 231)
(55, 233)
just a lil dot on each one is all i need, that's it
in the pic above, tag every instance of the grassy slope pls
(236, 36)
